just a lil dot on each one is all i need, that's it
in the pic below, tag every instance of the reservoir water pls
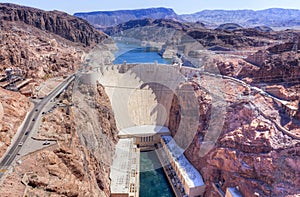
(153, 182)
(138, 55)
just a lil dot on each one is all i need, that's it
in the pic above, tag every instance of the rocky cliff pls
(13, 109)
(251, 151)
(43, 44)
(62, 24)
(79, 164)
(276, 64)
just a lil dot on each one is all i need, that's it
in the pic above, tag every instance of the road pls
(29, 123)
(262, 92)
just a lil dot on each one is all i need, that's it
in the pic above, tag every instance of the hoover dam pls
(142, 96)
(143, 99)
(150, 107)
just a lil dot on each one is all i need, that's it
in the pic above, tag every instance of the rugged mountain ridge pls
(221, 37)
(111, 18)
(273, 17)
(60, 23)
(147, 22)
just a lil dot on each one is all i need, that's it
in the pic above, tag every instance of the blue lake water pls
(139, 55)
(153, 182)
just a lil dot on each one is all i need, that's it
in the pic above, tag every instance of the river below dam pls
(153, 182)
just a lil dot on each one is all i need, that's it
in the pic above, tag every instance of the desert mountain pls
(274, 17)
(43, 44)
(111, 18)
(59, 23)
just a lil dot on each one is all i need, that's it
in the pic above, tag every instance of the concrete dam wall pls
(140, 94)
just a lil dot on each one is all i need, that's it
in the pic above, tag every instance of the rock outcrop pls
(229, 27)
(251, 152)
(79, 164)
(37, 54)
(62, 24)
(43, 45)
(13, 109)
(264, 28)
(277, 64)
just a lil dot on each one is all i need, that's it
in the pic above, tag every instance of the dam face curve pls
(140, 94)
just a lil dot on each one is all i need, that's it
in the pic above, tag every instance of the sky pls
(179, 6)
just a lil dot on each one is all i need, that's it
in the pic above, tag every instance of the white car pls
(46, 142)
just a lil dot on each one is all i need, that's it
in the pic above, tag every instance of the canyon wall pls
(45, 45)
(60, 23)
(251, 151)
(277, 64)
(79, 164)
(13, 109)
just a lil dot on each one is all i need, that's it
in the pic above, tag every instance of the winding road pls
(29, 124)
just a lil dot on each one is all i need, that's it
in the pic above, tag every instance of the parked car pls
(46, 142)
